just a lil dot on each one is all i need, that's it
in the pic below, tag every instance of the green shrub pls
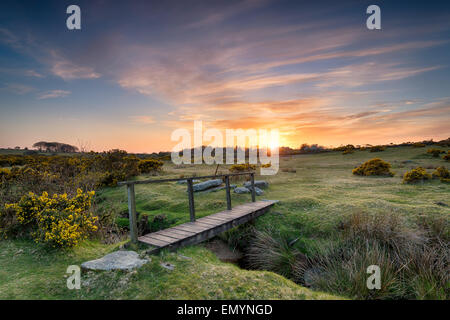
(4, 174)
(344, 148)
(348, 151)
(435, 152)
(122, 223)
(377, 148)
(418, 174)
(243, 167)
(442, 173)
(159, 222)
(150, 165)
(447, 156)
(419, 145)
(58, 221)
(374, 167)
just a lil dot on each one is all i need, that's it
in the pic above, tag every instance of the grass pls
(316, 194)
(28, 272)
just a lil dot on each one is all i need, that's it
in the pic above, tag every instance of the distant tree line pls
(45, 146)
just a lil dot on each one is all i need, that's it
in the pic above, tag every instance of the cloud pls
(32, 73)
(143, 119)
(68, 71)
(54, 94)
(17, 88)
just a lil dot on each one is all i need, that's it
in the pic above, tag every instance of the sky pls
(138, 70)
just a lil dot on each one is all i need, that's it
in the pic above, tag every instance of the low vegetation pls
(435, 152)
(442, 173)
(416, 175)
(377, 148)
(374, 167)
(58, 221)
(328, 227)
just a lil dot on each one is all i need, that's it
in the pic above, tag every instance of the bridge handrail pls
(189, 180)
(123, 183)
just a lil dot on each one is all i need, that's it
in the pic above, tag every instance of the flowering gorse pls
(59, 221)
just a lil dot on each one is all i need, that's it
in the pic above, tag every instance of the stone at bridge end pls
(118, 260)
(258, 183)
(240, 190)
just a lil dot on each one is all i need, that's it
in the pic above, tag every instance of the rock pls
(258, 191)
(310, 276)
(232, 186)
(440, 203)
(207, 185)
(241, 190)
(213, 189)
(167, 266)
(184, 257)
(258, 183)
(185, 181)
(118, 260)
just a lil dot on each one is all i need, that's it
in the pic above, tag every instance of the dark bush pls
(150, 165)
(419, 145)
(242, 167)
(435, 152)
(377, 148)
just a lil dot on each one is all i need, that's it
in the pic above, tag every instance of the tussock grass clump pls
(374, 167)
(272, 252)
(413, 259)
(388, 228)
(416, 175)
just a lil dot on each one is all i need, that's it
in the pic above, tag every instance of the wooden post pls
(132, 213)
(191, 199)
(252, 176)
(227, 184)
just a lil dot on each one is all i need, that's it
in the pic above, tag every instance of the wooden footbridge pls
(197, 230)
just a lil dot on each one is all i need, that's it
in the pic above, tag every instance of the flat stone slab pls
(232, 186)
(207, 184)
(118, 260)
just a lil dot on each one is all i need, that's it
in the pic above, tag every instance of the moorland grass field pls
(321, 203)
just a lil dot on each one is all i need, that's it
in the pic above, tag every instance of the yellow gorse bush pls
(374, 167)
(59, 221)
(418, 174)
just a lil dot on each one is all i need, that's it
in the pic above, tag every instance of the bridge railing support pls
(252, 177)
(191, 199)
(132, 213)
(227, 189)
(132, 197)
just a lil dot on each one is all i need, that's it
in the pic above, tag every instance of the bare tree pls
(83, 146)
